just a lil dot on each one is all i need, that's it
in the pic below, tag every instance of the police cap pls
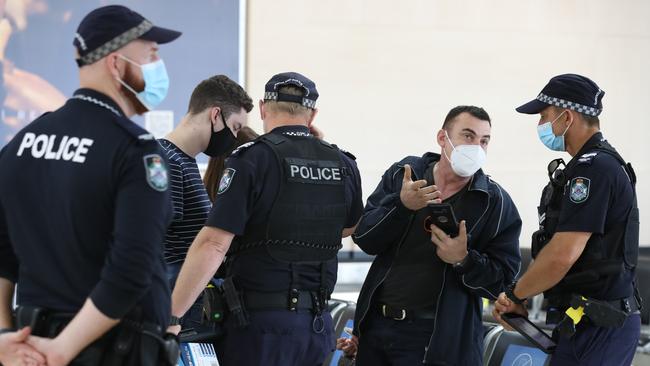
(308, 97)
(112, 27)
(571, 91)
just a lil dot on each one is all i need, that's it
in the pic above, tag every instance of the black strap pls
(323, 290)
(255, 300)
(294, 294)
(399, 313)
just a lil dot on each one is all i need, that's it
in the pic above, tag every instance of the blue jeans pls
(594, 346)
(389, 342)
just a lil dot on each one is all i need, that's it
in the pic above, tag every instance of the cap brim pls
(532, 107)
(160, 35)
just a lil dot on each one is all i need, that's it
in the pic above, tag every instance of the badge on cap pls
(156, 172)
(226, 179)
(579, 189)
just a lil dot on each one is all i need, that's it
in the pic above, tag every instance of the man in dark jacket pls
(421, 300)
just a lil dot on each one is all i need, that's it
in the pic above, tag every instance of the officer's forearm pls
(88, 325)
(203, 259)
(552, 263)
(6, 297)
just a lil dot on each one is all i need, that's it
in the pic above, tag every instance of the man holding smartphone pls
(420, 302)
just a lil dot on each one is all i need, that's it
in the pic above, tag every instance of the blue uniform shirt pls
(84, 205)
(247, 200)
(598, 196)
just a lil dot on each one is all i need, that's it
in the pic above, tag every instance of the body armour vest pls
(607, 258)
(308, 215)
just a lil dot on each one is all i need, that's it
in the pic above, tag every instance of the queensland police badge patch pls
(226, 179)
(156, 172)
(579, 189)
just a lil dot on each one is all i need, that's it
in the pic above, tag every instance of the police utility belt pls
(601, 313)
(133, 342)
(225, 301)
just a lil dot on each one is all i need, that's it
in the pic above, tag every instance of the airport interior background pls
(387, 73)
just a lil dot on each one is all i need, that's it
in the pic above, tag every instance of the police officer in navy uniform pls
(284, 202)
(84, 206)
(587, 246)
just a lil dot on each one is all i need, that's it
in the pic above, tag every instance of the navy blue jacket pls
(493, 226)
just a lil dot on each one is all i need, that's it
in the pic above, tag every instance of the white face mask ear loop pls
(128, 60)
(134, 93)
(567, 127)
(452, 146)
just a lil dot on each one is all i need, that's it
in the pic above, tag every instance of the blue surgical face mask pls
(156, 83)
(548, 138)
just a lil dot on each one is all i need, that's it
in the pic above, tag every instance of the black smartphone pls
(442, 215)
(525, 327)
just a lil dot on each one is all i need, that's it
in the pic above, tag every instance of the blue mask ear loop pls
(129, 86)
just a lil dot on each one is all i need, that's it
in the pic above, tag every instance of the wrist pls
(64, 351)
(510, 294)
(466, 264)
(174, 320)
(463, 260)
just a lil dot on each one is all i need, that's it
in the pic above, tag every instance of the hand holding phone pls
(442, 215)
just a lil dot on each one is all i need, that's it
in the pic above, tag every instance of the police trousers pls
(277, 338)
(592, 345)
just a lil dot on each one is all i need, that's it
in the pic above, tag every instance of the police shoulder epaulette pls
(347, 153)
(587, 158)
(243, 147)
(137, 132)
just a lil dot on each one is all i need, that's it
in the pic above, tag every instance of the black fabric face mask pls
(220, 142)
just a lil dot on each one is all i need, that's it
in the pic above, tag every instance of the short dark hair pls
(592, 121)
(477, 112)
(219, 91)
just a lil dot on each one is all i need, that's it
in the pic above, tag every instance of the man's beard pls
(131, 79)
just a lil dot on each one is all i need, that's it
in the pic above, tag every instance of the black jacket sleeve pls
(142, 215)
(495, 259)
(384, 218)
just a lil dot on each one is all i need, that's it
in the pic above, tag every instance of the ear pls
(312, 116)
(570, 117)
(213, 114)
(441, 138)
(112, 64)
(262, 110)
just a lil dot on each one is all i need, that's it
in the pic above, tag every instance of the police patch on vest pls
(226, 179)
(314, 171)
(579, 189)
(156, 172)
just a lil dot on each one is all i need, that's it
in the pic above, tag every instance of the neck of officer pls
(577, 136)
(189, 136)
(90, 78)
(284, 119)
(448, 182)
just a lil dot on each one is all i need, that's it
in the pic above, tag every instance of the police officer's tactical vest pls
(308, 215)
(606, 257)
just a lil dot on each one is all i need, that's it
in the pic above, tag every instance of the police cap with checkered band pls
(109, 28)
(308, 97)
(571, 91)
